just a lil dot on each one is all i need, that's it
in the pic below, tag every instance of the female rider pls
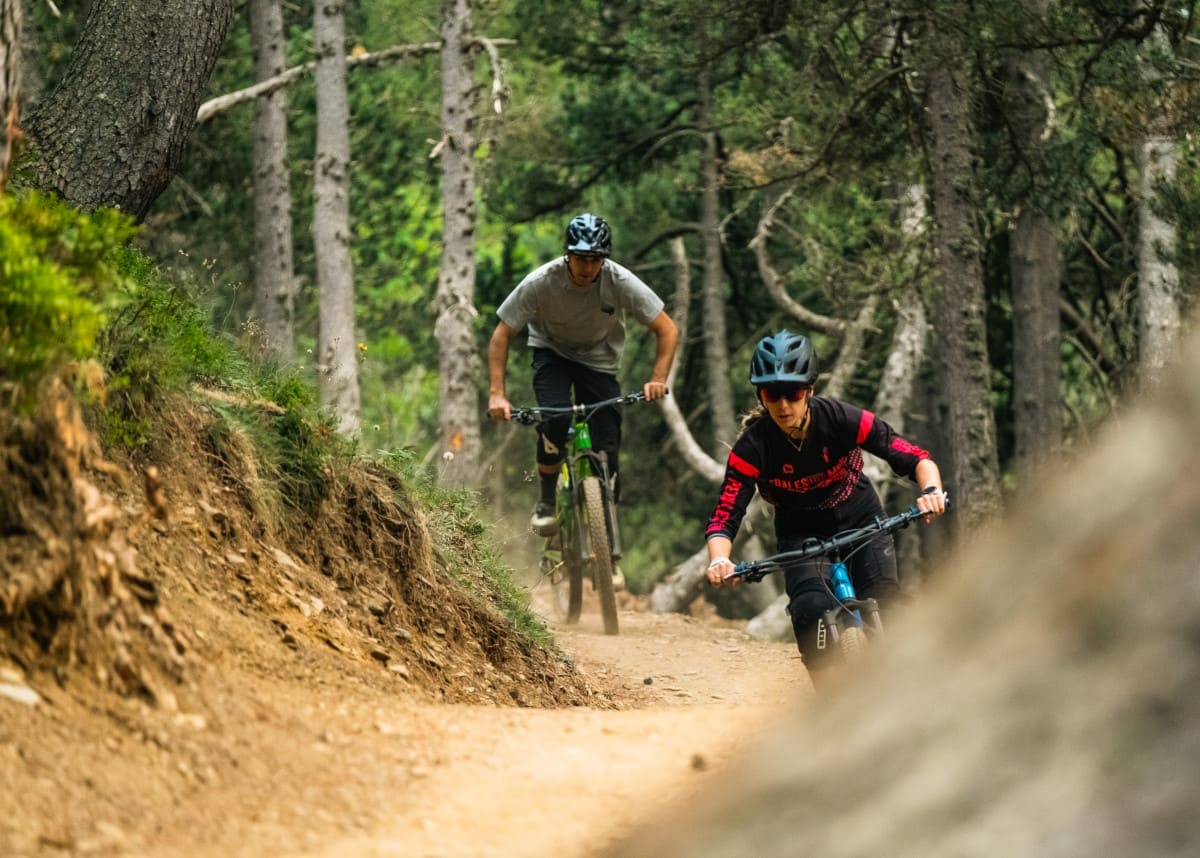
(804, 455)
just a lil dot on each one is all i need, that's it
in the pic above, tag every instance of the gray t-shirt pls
(584, 324)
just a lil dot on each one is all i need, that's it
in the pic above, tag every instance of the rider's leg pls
(551, 388)
(874, 573)
(808, 600)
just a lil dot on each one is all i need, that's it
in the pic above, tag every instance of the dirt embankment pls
(193, 682)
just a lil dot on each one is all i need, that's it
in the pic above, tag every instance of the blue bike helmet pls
(588, 235)
(783, 358)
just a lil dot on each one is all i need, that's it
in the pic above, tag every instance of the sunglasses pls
(791, 394)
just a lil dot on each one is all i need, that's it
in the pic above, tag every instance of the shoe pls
(543, 521)
(618, 579)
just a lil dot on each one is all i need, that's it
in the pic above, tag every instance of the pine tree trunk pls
(331, 221)
(274, 279)
(114, 130)
(1158, 278)
(960, 306)
(1034, 266)
(1159, 323)
(712, 292)
(10, 82)
(458, 356)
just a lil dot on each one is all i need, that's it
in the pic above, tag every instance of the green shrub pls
(157, 339)
(58, 281)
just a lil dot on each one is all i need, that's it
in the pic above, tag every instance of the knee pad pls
(806, 609)
(550, 444)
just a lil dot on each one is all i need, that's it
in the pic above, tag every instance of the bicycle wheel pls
(568, 589)
(597, 525)
(853, 644)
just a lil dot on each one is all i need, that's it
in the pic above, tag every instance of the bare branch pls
(693, 454)
(222, 103)
(489, 45)
(852, 346)
(774, 282)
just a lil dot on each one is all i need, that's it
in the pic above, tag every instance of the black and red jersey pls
(814, 480)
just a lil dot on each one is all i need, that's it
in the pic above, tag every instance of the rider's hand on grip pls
(499, 408)
(654, 390)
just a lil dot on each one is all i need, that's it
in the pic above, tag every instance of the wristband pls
(928, 490)
(718, 562)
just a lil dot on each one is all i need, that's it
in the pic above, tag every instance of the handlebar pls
(529, 416)
(756, 570)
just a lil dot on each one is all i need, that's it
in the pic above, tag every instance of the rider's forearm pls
(719, 547)
(497, 362)
(667, 335)
(928, 474)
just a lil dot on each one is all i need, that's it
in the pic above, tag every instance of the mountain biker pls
(803, 453)
(575, 307)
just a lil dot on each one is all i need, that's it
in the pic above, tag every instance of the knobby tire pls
(853, 644)
(602, 567)
(569, 591)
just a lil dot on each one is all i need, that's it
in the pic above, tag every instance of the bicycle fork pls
(849, 602)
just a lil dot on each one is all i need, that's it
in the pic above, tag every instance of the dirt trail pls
(567, 782)
(311, 755)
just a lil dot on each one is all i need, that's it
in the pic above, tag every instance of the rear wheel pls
(568, 590)
(597, 525)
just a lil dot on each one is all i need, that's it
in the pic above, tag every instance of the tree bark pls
(712, 292)
(1159, 323)
(10, 82)
(1034, 266)
(114, 130)
(458, 356)
(960, 301)
(331, 222)
(274, 276)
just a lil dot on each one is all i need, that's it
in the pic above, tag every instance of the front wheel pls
(602, 567)
(853, 644)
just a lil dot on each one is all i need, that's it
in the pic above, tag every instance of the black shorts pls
(560, 382)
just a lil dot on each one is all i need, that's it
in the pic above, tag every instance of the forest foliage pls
(603, 108)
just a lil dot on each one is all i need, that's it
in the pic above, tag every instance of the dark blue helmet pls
(588, 234)
(783, 358)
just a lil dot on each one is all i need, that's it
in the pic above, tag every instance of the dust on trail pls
(569, 782)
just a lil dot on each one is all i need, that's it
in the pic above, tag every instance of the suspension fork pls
(844, 589)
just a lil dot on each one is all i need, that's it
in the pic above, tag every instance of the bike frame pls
(588, 540)
(835, 550)
(581, 462)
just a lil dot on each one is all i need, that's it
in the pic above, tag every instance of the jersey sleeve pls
(877, 437)
(641, 300)
(737, 490)
(517, 310)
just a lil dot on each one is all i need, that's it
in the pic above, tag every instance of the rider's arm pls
(665, 334)
(719, 564)
(498, 404)
(929, 476)
(739, 486)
